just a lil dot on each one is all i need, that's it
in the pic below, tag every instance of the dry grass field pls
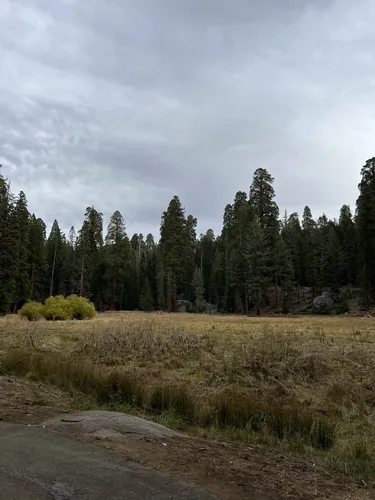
(304, 385)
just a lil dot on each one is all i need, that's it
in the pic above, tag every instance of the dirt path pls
(223, 469)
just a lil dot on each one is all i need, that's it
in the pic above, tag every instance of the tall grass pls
(119, 388)
(306, 383)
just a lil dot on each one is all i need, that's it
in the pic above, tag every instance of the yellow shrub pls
(81, 307)
(32, 311)
(57, 308)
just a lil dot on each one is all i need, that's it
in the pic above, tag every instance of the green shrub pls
(32, 311)
(342, 307)
(322, 312)
(57, 308)
(81, 307)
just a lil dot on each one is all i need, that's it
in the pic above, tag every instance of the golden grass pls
(321, 365)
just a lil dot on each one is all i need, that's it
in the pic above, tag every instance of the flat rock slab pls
(108, 424)
(39, 464)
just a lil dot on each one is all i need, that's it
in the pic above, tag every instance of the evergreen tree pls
(198, 286)
(117, 260)
(348, 242)
(266, 213)
(37, 264)
(54, 250)
(309, 250)
(293, 238)
(264, 207)
(205, 260)
(284, 273)
(177, 242)
(89, 252)
(8, 265)
(365, 220)
(258, 260)
(146, 300)
(19, 221)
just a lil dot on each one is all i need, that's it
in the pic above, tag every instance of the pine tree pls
(54, 249)
(309, 250)
(257, 261)
(37, 265)
(70, 277)
(293, 238)
(8, 266)
(117, 253)
(198, 286)
(284, 273)
(146, 300)
(19, 220)
(89, 252)
(205, 259)
(263, 205)
(348, 241)
(150, 266)
(365, 221)
(266, 212)
(225, 247)
(177, 243)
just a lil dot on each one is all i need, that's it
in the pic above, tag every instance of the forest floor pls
(321, 367)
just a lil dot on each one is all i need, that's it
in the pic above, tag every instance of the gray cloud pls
(122, 104)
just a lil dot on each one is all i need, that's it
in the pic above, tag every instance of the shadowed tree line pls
(259, 259)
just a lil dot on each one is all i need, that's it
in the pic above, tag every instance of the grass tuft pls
(176, 399)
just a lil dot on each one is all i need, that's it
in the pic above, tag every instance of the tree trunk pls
(32, 281)
(81, 280)
(169, 292)
(53, 272)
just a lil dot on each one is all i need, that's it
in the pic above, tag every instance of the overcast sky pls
(121, 104)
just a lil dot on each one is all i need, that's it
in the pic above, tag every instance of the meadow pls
(304, 384)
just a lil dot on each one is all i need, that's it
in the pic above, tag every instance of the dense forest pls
(257, 252)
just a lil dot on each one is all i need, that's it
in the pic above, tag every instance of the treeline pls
(256, 253)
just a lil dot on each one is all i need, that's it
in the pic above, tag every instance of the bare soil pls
(28, 402)
(224, 469)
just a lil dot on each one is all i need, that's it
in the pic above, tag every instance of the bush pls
(57, 308)
(32, 311)
(323, 312)
(342, 307)
(81, 308)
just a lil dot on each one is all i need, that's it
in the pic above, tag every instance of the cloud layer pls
(121, 104)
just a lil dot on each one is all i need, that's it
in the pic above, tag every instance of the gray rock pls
(108, 424)
(323, 302)
(184, 306)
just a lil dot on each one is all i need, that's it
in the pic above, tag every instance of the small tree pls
(146, 300)
(198, 289)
